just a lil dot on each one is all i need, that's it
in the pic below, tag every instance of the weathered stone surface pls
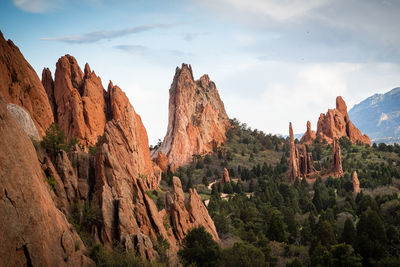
(197, 118)
(306, 166)
(24, 120)
(33, 231)
(162, 161)
(356, 183)
(79, 101)
(20, 85)
(48, 84)
(184, 219)
(336, 123)
(225, 176)
(309, 135)
(337, 170)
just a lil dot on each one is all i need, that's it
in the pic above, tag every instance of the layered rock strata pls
(197, 118)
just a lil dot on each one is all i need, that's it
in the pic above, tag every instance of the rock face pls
(48, 84)
(337, 170)
(300, 162)
(356, 183)
(336, 123)
(24, 120)
(197, 119)
(309, 135)
(162, 161)
(20, 85)
(79, 100)
(34, 232)
(225, 176)
(184, 219)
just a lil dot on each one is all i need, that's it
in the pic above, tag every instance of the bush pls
(51, 181)
(243, 255)
(55, 140)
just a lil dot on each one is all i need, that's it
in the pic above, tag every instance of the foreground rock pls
(24, 120)
(336, 123)
(197, 118)
(33, 231)
(20, 85)
(184, 219)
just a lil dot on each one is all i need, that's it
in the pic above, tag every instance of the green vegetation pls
(55, 140)
(51, 181)
(322, 224)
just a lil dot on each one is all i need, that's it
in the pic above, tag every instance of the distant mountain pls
(379, 115)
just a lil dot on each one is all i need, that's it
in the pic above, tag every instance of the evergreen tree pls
(349, 232)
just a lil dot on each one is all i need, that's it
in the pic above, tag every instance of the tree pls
(199, 248)
(55, 139)
(277, 230)
(325, 233)
(228, 188)
(343, 256)
(243, 255)
(349, 232)
(295, 263)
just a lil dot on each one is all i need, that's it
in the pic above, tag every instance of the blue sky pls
(273, 61)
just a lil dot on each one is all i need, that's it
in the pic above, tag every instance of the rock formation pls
(24, 120)
(309, 135)
(336, 123)
(33, 231)
(300, 162)
(162, 161)
(48, 84)
(20, 85)
(337, 170)
(79, 100)
(197, 119)
(183, 219)
(356, 183)
(225, 176)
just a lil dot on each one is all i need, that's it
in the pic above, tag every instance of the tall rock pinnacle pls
(337, 170)
(197, 118)
(293, 159)
(309, 135)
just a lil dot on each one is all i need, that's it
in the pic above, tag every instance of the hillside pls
(379, 115)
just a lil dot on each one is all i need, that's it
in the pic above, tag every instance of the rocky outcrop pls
(337, 170)
(48, 84)
(184, 219)
(24, 120)
(336, 123)
(356, 183)
(33, 231)
(197, 119)
(300, 162)
(20, 85)
(79, 100)
(309, 136)
(162, 161)
(225, 176)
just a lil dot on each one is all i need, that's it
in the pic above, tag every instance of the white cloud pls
(37, 6)
(278, 10)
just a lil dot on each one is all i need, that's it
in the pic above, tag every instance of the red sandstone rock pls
(197, 118)
(33, 231)
(48, 84)
(225, 176)
(300, 162)
(184, 219)
(162, 161)
(309, 135)
(337, 170)
(356, 183)
(336, 123)
(79, 101)
(20, 85)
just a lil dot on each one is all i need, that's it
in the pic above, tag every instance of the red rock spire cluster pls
(300, 162)
(197, 118)
(114, 181)
(335, 124)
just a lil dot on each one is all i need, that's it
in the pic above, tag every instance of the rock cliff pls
(336, 123)
(33, 231)
(197, 120)
(20, 85)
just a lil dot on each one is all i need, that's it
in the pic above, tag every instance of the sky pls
(273, 61)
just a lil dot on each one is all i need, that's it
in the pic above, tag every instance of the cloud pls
(92, 37)
(37, 6)
(144, 50)
(277, 10)
(134, 49)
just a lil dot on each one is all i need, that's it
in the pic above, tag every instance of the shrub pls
(51, 181)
